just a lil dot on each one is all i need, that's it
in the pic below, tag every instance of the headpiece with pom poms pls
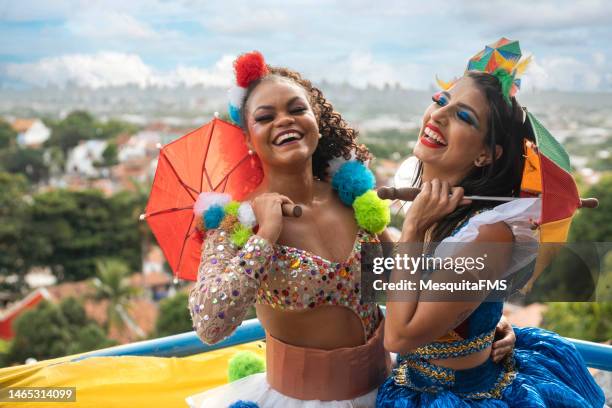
(502, 59)
(248, 67)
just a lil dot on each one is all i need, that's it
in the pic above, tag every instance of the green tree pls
(80, 227)
(19, 246)
(127, 232)
(174, 317)
(109, 155)
(111, 284)
(115, 127)
(8, 135)
(582, 320)
(26, 161)
(50, 331)
(77, 126)
(585, 320)
(595, 225)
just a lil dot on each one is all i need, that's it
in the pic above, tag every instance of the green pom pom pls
(371, 212)
(243, 364)
(232, 208)
(240, 235)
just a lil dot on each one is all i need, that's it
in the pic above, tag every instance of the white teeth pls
(286, 136)
(435, 136)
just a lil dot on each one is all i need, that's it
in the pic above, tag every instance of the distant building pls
(8, 316)
(81, 159)
(138, 318)
(31, 132)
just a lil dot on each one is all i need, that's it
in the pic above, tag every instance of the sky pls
(98, 43)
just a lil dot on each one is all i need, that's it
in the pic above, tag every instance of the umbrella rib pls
(224, 179)
(187, 235)
(181, 182)
(167, 210)
(203, 171)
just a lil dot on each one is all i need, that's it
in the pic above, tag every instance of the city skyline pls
(187, 43)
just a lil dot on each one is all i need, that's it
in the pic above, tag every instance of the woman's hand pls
(269, 215)
(506, 339)
(435, 201)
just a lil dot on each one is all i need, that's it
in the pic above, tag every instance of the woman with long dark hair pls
(471, 143)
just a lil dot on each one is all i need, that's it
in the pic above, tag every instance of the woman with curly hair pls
(324, 346)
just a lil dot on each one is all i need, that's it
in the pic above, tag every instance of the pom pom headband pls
(503, 60)
(248, 67)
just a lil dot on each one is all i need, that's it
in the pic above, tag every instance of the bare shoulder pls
(497, 232)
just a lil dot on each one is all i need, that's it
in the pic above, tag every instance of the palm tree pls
(111, 284)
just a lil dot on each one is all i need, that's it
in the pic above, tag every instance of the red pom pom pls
(249, 67)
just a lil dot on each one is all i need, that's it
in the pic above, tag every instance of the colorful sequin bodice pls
(232, 279)
(300, 280)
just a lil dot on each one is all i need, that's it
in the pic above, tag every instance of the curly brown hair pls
(338, 138)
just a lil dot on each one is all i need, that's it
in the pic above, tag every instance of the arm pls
(228, 280)
(228, 277)
(409, 323)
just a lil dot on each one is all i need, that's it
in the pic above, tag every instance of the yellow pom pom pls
(371, 212)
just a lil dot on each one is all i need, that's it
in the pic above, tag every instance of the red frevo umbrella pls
(212, 158)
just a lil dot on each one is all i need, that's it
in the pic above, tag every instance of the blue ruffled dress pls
(545, 370)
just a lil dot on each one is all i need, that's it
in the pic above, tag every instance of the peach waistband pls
(327, 375)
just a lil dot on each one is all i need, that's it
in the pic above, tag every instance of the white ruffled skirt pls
(255, 388)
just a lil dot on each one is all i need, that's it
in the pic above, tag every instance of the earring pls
(320, 135)
(250, 152)
(481, 163)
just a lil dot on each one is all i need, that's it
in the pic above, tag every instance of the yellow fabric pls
(555, 231)
(532, 177)
(126, 381)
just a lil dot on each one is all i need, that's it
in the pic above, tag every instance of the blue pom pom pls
(234, 113)
(213, 216)
(351, 180)
(243, 404)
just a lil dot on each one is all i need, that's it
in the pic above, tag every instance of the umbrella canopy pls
(212, 158)
(504, 54)
(546, 174)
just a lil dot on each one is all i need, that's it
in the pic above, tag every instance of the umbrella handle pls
(410, 193)
(291, 210)
(392, 193)
(589, 203)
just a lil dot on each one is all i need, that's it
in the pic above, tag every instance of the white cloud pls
(106, 69)
(567, 74)
(362, 69)
(247, 20)
(108, 24)
(544, 15)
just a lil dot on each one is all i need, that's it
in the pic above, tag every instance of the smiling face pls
(452, 139)
(281, 125)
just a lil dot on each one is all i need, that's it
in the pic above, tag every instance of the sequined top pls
(231, 279)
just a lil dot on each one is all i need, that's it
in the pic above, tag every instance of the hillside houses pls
(31, 132)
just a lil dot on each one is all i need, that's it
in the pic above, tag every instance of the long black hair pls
(502, 177)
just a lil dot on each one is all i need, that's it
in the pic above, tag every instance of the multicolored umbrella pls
(212, 158)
